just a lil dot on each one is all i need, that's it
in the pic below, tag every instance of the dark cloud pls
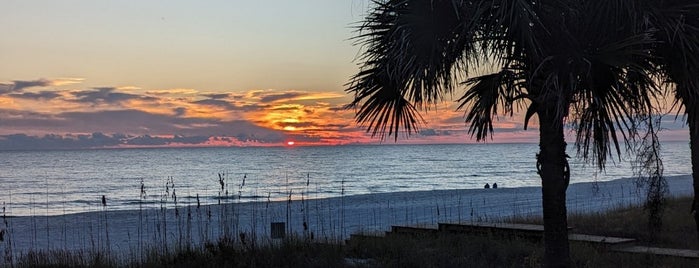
(42, 95)
(218, 103)
(89, 141)
(273, 97)
(298, 124)
(100, 140)
(335, 126)
(6, 87)
(217, 96)
(339, 108)
(180, 111)
(253, 107)
(53, 142)
(434, 132)
(13, 121)
(20, 84)
(247, 131)
(6, 114)
(306, 138)
(190, 139)
(285, 108)
(107, 95)
(429, 132)
(135, 122)
(229, 105)
(122, 121)
(454, 120)
(147, 140)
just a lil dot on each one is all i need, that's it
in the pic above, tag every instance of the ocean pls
(73, 181)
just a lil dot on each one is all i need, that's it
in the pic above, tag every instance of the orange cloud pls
(191, 117)
(174, 92)
(67, 81)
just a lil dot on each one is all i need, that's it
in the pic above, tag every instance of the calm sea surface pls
(61, 182)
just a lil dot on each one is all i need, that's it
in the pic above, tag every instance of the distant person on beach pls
(487, 186)
(495, 185)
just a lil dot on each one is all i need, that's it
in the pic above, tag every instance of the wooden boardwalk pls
(491, 226)
(413, 230)
(671, 252)
(530, 231)
(604, 241)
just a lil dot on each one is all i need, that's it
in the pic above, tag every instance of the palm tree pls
(677, 24)
(567, 61)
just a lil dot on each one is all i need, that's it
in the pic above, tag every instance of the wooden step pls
(528, 231)
(607, 241)
(491, 226)
(413, 230)
(671, 252)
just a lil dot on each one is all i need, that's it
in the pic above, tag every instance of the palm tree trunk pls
(693, 122)
(553, 170)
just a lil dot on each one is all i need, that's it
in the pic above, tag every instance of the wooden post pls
(278, 230)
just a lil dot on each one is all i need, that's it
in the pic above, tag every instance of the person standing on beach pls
(495, 185)
(487, 186)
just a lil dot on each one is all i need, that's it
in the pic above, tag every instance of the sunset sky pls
(81, 74)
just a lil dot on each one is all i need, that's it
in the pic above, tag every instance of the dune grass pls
(408, 251)
(678, 230)
(223, 253)
(486, 251)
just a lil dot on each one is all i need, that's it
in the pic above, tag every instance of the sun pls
(290, 143)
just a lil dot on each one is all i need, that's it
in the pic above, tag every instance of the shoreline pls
(387, 195)
(125, 231)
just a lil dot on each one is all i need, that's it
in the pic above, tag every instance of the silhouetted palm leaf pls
(485, 97)
(677, 24)
(410, 51)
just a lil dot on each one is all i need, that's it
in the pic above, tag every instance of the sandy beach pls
(128, 232)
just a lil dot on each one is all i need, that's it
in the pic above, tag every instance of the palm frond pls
(677, 25)
(413, 48)
(616, 82)
(484, 96)
(381, 105)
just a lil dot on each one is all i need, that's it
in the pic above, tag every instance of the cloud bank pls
(58, 114)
